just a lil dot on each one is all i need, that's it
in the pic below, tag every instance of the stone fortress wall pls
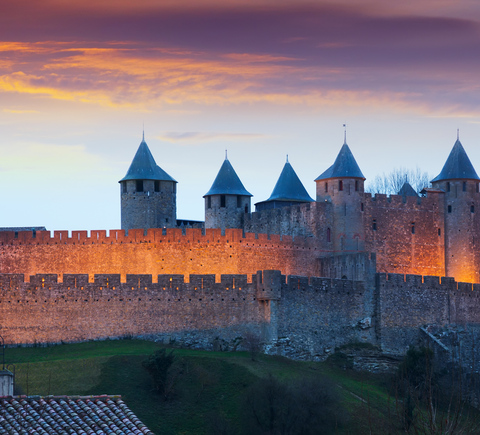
(155, 251)
(296, 316)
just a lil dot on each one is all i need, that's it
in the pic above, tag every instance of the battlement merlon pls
(151, 235)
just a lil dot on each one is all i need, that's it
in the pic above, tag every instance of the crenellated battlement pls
(152, 235)
(400, 201)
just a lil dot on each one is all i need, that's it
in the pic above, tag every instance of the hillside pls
(213, 392)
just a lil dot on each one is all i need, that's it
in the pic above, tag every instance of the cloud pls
(148, 56)
(194, 137)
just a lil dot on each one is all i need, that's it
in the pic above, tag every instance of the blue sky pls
(262, 79)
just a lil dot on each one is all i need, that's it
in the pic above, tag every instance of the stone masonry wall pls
(407, 234)
(155, 252)
(407, 303)
(45, 310)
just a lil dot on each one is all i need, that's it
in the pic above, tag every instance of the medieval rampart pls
(408, 302)
(156, 251)
(406, 233)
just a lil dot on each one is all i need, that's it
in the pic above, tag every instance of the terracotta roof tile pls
(90, 415)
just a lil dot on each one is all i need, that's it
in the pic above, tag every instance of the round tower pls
(342, 186)
(227, 201)
(148, 194)
(460, 182)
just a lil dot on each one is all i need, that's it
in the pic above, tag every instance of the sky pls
(262, 79)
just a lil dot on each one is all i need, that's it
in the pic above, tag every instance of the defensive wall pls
(155, 251)
(300, 317)
(406, 233)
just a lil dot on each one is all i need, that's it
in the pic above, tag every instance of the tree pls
(304, 407)
(392, 182)
(158, 365)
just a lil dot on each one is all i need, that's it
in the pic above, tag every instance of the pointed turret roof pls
(143, 166)
(457, 166)
(407, 190)
(227, 182)
(289, 187)
(345, 166)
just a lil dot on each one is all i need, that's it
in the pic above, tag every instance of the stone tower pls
(289, 190)
(342, 185)
(460, 182)
(148, 194)
(227, 201)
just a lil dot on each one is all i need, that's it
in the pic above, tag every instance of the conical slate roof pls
(143, 166)
(457, 166)
(345, 166)
(407, 190)
(227, 182)
(289, 187)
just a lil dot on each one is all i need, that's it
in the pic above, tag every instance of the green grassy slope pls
(209, 390)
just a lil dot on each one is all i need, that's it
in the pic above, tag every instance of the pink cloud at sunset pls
(256, 77)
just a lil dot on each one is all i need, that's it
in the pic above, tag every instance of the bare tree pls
(392, 182)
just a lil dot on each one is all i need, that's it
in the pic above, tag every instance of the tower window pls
(413, 227)
(464, 186)
(326, 187)
(439, 231)
(472, 209)
(222, 200)
(449, 209)
(209, 202)
(239, 201)
(356, 185)
(448, 186)
(329, 235)
(340, 185)
(374, 225)
(246, 208)
(361, 206)
(139, 185)
(157, 186)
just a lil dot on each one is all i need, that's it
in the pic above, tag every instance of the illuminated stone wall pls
(157, 252)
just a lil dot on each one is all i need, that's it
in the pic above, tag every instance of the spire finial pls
(345, 133)
(458, 134)
(287, 158)
(226, 155)
(143, 132)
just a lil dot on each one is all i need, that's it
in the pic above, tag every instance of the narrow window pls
(356, 185)
(413, 227)
(209, 202)
(222, 200)
(472, 209)
(448, 186)
(464, 186)
(361, 206)
(374, 225)
(449, 209)
(166, 220)
(157, 186)
(329, 235)
(34, 233)
(439, 231)
(326, 186)
(239, 201)
(340, 185)
(246, 208)
(139, 185)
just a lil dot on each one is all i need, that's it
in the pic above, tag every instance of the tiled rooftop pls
(90, 415)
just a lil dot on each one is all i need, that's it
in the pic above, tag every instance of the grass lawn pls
(209, 389)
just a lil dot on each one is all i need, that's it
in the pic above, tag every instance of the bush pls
(158, 365)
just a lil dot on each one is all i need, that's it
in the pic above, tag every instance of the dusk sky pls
(262, 79)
